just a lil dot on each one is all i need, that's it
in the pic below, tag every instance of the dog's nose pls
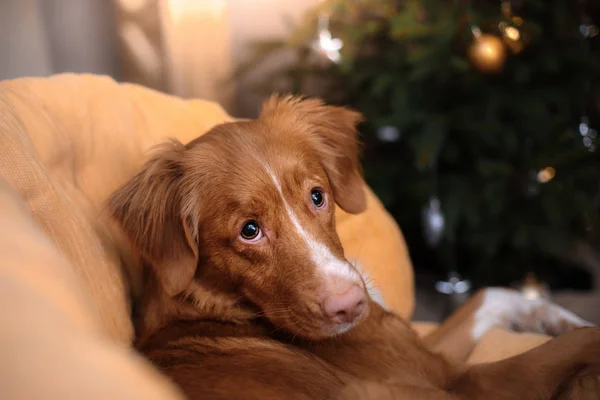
(345, 307)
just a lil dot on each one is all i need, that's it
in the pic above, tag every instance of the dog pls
(248, 294)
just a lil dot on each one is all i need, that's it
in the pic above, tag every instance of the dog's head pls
(247, 211)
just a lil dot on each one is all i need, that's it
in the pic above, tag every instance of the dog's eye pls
(317, 198)
(251, 231)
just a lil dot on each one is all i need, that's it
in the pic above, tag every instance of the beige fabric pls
(50, 343)
(497, 345)
(57, 213)
(374, 240)
(66, 143)
(423, 328)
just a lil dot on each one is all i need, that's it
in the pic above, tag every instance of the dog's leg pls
(388, 361)
(497, 307)
(454, 338)
(567, 367)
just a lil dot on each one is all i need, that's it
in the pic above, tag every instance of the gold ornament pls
(487, 52)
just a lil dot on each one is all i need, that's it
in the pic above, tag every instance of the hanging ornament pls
(434, 225)
(454, 285)
(487, 52)
(388, 134)
(325, 43)
(434, 222)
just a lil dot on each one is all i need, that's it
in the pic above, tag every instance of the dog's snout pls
(345, 307)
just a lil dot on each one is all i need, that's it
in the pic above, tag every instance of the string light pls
(512, 33)
(513, 37)
(546, 174)
(326, 43)
(588, 31)
(588, 134)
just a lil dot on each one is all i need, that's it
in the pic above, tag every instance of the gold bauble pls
(487, 53)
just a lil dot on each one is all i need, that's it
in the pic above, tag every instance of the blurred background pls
(481, 115)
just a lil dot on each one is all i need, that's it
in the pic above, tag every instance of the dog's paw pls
(509, 309)
(543, 316)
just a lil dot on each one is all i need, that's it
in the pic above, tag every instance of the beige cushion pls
(51, 346)
(496, 345)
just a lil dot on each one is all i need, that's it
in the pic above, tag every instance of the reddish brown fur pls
(231, 321)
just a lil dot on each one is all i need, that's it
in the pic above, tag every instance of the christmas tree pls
(481, 117)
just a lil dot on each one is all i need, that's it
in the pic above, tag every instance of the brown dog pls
(249, 295)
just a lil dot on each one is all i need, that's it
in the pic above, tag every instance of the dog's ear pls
(149, 209)
(335, 132)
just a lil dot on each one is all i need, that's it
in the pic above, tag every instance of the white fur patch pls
(508, 308)
(320, 254)
(376, 296)
(374, 292)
